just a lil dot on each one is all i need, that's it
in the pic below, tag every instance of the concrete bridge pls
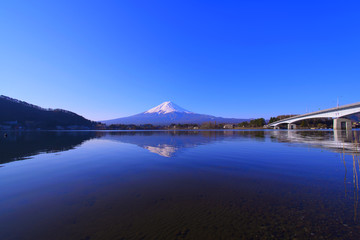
(337, 114)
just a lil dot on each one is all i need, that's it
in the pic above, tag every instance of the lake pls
(270, 184)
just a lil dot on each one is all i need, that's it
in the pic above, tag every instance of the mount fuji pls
(168, 113)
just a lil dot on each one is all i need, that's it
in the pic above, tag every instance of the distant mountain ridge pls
(168, 113)
(16, 112)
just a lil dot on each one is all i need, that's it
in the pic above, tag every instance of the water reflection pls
(356, 184)
(352, 140)
(337, 140)
(169, 143)
(22, 145)
(164, 143)
(217, 185)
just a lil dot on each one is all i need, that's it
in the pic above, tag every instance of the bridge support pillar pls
(276, 127)
(291, 126)
(342, 124)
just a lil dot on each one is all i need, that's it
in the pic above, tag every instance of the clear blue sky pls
(109, 59)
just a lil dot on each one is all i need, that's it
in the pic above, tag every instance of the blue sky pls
(109, 59)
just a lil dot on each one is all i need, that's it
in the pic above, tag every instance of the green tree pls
(273, 119)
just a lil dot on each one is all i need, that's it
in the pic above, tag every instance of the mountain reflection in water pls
(22, 145)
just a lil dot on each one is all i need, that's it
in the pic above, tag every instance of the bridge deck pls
(313, 114)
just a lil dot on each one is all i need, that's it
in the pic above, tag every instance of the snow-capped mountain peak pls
(168, 113)
(167, 107)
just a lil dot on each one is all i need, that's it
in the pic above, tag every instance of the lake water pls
(180, 185)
